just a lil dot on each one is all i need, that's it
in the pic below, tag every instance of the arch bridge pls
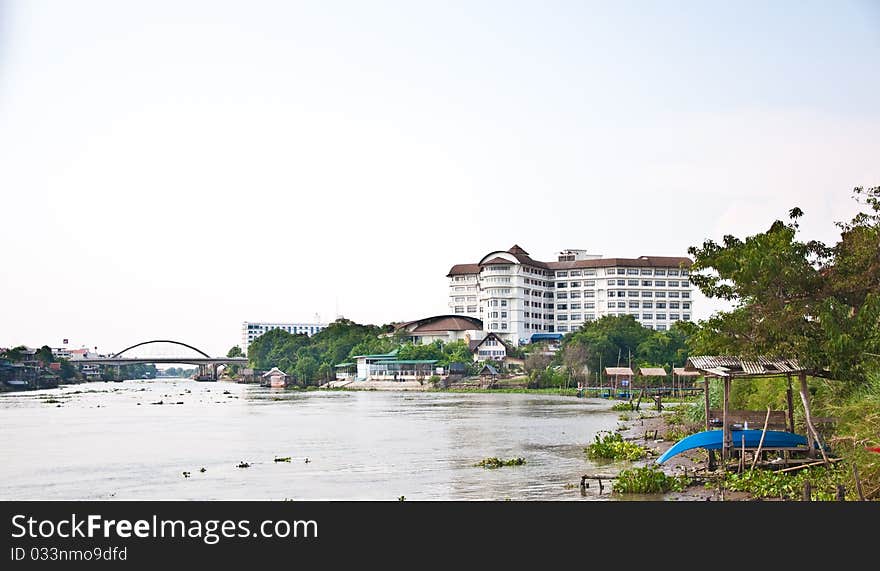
(207, 364)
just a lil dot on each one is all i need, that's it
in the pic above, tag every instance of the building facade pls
(250, 330)
(517, 297)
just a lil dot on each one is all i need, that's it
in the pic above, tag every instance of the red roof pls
(442, 323)
(523, 258)
(462, 269)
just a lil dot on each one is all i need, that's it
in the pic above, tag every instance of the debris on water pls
(179, 402)
(139, 404)
(227, 393)
(186, 474)
(244, 465)
(203, 469)
(282, 458)
(307, 460)
(51, 401)
(158, 402)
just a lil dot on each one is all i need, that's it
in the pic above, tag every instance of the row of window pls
(635, 293)
(624, 271)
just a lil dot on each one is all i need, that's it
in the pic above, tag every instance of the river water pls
(110, 441)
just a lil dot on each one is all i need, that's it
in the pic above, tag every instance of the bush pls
(494, 462)
(612, 446)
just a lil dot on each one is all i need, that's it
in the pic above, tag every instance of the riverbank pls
(652, 430)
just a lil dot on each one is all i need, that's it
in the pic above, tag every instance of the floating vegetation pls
(789, 486)
(648, 480)
(186, 474)
(494, 462)
(51, 401)
(401, 499)
(243, 465)
(282, 458)
(203, 469)
(158, 402)
(621, 406)
(612, 446)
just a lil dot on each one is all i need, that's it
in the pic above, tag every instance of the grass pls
(648, 480)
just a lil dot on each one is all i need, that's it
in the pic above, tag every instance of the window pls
(494, 326)
(459, 288)
(575, 284)
(562, 317)
(659, 272)
(620, 271)
(647, 294)
(575, 316)
(684, 272)
(661, 316)
(590, 283)
(563, 328)
(672, 273)
(674, 316)
(561, 306)
(647, 316)
(646, 272)
(686, 305)
(493, 314)
(620, 304)
(561, 274)
(685, 294)
(503, 303)
(575, 295)
(589, 272)
(503, 326)
(472, 309)
(503, 315)
(646, 283)
(659, 283)
(562, 295)
(561, 285)
(459, 309)
(659, 294)
(632, 294)
(661, 327)
(459, 299)
(673, 305)
(611, 293)
(472, 298)
(632, 271)
(575, 273)
(632, 283)
(589, 316)
(575, 306)
(673, 283)
(494, 303)
(589, 305)
(673, 294)
(686, 317)
(589, 293)
(661, 305)
(634, 304)
(621, 282)
(647, 304)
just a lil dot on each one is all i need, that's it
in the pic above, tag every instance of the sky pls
(169, 169)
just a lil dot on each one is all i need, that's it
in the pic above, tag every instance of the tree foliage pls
(808, 300)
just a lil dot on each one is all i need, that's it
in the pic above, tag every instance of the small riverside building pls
(386, 367)
(275, 377)
(445, 328)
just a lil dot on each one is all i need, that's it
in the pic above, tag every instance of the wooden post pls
(812, 434)
(841, 493)
(761, 442)
(706, 398)
(790, 404)
(807, 491)
(727, 445)
(858, 482)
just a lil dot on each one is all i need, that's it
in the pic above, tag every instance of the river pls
(110, 441)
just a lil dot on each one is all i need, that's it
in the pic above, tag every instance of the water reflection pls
(115, 440)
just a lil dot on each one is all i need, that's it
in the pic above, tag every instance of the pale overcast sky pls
(171, 169)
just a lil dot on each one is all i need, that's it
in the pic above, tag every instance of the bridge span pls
(207, 364)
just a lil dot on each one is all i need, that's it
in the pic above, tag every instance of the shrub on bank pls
(612, 446)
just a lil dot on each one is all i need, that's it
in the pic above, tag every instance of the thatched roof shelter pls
(727, 368)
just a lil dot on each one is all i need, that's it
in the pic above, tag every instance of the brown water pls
(108, 441)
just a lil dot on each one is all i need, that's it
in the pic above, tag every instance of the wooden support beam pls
(789, 401)
(812, 433)
(706, 398)
(727, 446)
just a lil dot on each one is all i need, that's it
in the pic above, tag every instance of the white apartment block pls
(250, 330)
(517, 297)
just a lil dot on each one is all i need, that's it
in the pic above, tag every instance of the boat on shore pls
(714, 440)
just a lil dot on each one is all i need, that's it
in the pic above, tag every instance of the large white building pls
(517, 297)
(250, 330)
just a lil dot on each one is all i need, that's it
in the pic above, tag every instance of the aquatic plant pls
(612, 446)
(790, 485)
(282, 459)
(494, 462)
(648, 480)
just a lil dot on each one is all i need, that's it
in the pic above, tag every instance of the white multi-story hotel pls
(250, 330)
(517, 297)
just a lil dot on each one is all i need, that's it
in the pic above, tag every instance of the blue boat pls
(714, 439)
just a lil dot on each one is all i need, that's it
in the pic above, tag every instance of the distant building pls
(385, 367)
(517, 297)
(250, 330)
(445, 328)
(493, 348)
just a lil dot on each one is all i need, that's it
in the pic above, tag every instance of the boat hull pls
(714, 440)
